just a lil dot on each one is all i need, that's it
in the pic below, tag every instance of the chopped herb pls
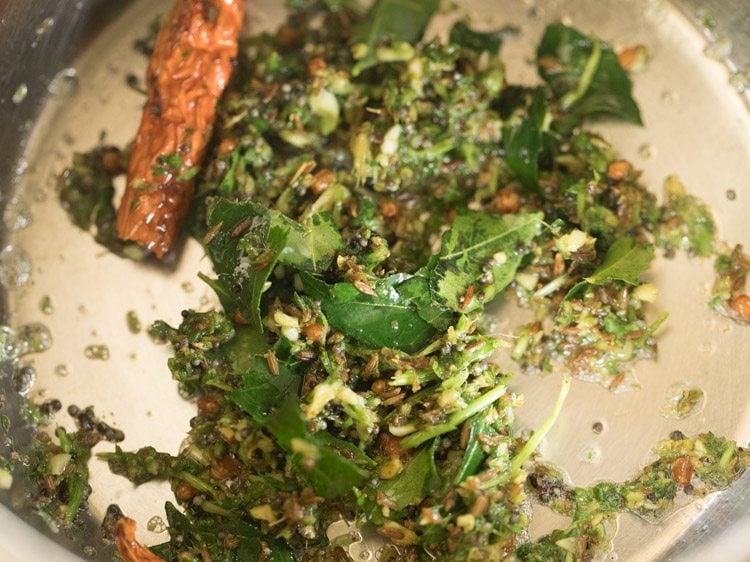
(694, 467)
(86, 190)
(686, 223)
(133, 322)
(730, 296)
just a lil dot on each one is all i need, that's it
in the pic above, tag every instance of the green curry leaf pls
(261, 390)
(330, 474)
(203, 535)
(404, 20)
(401, 20)
(586, 75)
(461, 34)
(412, 485)
(474, 455)
(523, 142)
(479, 244)
(311, 245)
(625, 261)
(246, 242)
(383, 319)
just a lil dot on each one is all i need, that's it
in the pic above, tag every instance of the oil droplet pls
(682, 400)
(20, 94)
(356, 536)
(8, 345)
(39, 195)
(719, 49)
(670, 96)
(338, 531)
(134, 323)
(388, 552)
(62, 370)
(591, 455)
(34, 337)
(15, 267)
(64, 84)
(45, 305)
(646, 151)
(740, 81)
(45, 26)
(23, 379)
(156, 524)
(89, 551)
(17, 215)
(99, 352)
(708, 347)
(21, 166)
(705, 18)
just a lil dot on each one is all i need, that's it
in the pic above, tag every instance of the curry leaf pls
(416, 289)
(523, 142)
(261, 390)
(203, 535)
(312, 245)
(241, 351)
(461, 34)
(240, 226)
(404, 20)
(345, 449)
(586, 75)
(385, 318)
(412, 485)
(230, 301)
(246, 242)
(330, 474)
(479, 245)
(401, 20)
(244, 249)
(625, 261)
(474, 455)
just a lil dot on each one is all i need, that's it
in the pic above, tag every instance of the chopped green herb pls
(686, 223)
(133, 322)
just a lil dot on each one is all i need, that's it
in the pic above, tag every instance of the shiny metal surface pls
(696, 126)
(37, 39)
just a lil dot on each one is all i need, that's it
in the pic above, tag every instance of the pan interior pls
(696, 126)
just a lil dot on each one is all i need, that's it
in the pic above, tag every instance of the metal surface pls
(696, 126)
(37, 38)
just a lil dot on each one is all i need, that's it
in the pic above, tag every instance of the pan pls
(66, 87)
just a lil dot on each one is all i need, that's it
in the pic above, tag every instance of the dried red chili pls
(189, 69)
(127, 545)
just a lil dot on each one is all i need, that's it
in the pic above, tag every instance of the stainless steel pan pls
(72, 57)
